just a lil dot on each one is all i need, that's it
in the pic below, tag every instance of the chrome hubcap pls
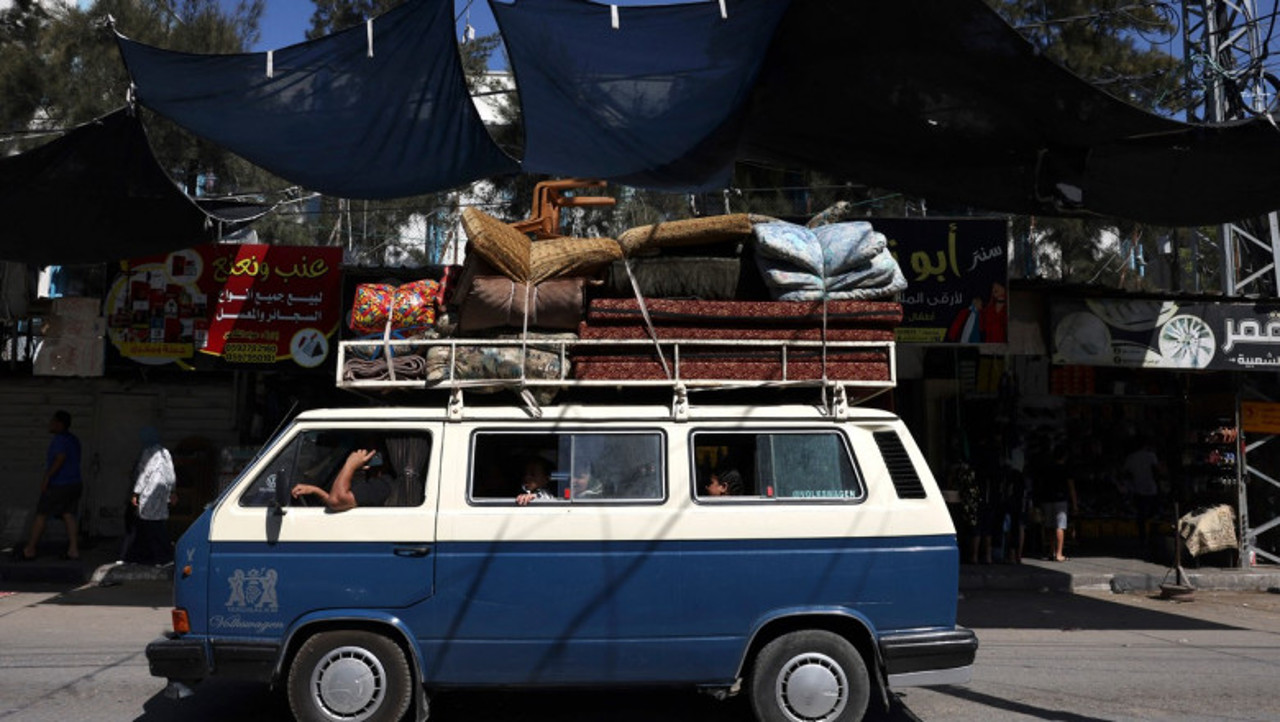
(812, 688)
(349, 684)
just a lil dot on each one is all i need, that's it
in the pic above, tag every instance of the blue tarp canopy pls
(945, 100)
(655, 101)
(939, 98)
(363, 113)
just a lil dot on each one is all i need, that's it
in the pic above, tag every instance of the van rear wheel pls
(349, 676)
(809, 676)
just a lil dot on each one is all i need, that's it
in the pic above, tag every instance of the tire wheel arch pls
(851, 628)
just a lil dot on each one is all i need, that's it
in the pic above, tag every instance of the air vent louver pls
(903, 473)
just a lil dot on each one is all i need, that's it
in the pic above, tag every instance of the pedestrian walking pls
(153, 494)
(59, 488)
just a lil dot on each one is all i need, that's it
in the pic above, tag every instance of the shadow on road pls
(997, 705)
(124, 594)
(216, 701)
(1059, 610)
(247, 702)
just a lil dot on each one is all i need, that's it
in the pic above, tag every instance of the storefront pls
(213, 346)
(1101, 376)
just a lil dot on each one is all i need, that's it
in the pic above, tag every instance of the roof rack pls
(679, 364)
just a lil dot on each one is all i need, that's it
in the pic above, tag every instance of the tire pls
(349, 676)
(809, 676)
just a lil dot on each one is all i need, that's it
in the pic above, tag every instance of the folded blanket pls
(885, 281)
(840, 260)
(497, 301)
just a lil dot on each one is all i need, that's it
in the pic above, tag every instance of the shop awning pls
(97, 194)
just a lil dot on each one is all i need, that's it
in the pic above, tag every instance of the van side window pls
(583, 467)
(780, 465)
(315, 457)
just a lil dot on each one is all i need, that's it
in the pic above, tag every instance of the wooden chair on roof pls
(549, 198)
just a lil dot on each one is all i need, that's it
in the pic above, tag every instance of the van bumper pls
(190, 660)
(921, 659)
(178, 659)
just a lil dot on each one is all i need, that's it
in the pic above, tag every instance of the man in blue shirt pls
(60, 487)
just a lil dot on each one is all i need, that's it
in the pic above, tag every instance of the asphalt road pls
(78, 655)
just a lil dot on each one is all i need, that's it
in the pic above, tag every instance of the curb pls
(116, 573)
(1119, 582)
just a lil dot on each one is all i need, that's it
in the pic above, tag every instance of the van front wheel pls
(349, 676)
(809, 676)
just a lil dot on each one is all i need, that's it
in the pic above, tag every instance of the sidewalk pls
(1118, 574)
(96, 564)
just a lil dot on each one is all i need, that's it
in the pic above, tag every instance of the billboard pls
(1166, 334)
(957, 278)
(227, 306)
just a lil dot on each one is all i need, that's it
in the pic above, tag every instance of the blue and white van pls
(827, 578)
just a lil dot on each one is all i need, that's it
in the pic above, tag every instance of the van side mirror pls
(280, 503)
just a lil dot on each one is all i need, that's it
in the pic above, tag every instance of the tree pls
(20, 70)
(1113, 44)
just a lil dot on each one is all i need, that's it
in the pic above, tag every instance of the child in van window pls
(537, 474)
(726, 482)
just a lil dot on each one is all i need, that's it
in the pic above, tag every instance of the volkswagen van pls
(828, 578)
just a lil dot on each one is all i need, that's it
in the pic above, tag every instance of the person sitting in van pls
(533, 486)
(347, 492)
(586, 486)
(725, 482)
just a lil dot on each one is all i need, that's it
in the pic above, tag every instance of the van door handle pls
(421, 551)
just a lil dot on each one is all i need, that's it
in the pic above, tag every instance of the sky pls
(285, 22)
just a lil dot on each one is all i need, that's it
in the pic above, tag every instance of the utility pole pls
(1224, 49)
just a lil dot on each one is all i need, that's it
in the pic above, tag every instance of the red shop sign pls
(242, 304)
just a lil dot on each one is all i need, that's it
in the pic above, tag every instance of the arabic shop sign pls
(227, 305)
(1166, 334)
(957, 278)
